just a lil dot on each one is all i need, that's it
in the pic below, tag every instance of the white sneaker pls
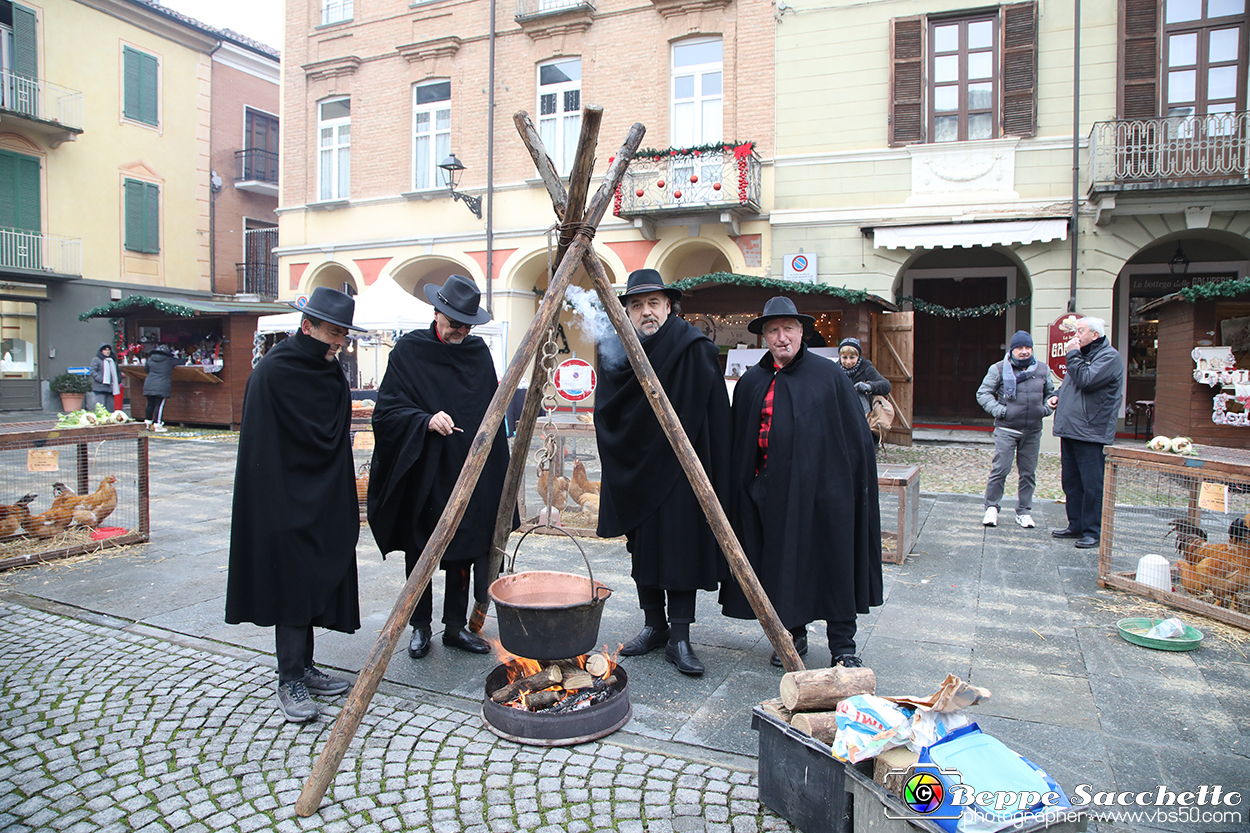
(159, 428)
(991, 516)
(1025, 521)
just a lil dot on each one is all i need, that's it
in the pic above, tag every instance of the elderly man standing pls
(803, 489)
(1086, 411)
(1016, 392)
(645, 494)
(431, 402)
(296, 520)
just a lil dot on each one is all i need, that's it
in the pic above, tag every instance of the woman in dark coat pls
(157, 386)
(867, 380)
(105, 381)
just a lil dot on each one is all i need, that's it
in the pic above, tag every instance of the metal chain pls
(550, 434)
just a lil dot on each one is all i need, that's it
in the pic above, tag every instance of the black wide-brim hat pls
(642, 281)
(779, 307)
(459, 299)
(330, 305)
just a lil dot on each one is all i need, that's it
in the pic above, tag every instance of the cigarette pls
(461, 430)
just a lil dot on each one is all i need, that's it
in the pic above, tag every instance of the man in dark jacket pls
(157, 386)
(1016, 392)
(803, 489)
(1086, 411)
(646, 495)
(431, 403)
(296, 520)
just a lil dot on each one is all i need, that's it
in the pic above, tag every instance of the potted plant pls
(72, 389)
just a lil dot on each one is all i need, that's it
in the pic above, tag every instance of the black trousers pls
(455, 593)
(680, 605)
(1082, 484)
(294, 647)
(154, 409)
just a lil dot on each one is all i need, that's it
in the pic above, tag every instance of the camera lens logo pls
(923, 793)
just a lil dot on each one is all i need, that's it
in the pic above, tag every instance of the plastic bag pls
(1166, 629)
(869, 725)
(928, 727)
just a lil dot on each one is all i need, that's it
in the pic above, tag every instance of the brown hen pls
(95, 507)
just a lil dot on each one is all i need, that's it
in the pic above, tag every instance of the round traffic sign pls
(301, 301)
(575, 379)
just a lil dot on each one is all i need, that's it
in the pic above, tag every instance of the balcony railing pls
(256, 165)
(258, 275)
(1169, 152)
(534, 8)
(715, 180)
(40, 252)
(40, 100)
(335, 11)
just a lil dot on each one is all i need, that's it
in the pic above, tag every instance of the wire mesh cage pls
(69, 491)
(1174, 528)
(898, 490)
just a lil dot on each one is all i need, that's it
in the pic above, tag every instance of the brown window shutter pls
(907, 81)
(1139, 59)
(1019, 22)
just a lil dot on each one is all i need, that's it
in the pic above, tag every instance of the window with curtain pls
(143, 211)
(697, 94)
(431, 133)
(334, 145)
(560, 110)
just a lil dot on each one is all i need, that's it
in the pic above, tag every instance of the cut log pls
(598, 664)
(821, 689)
(577, 679)
(549, 676)
(545, 699)
(820, 725)
(777, 709)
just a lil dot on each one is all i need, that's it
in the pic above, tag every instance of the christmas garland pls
(1216, 289)
(130, 301)
(920, 305)
(854, 296)
(740, 150)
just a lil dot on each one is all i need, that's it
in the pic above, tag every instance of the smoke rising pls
(590, 318)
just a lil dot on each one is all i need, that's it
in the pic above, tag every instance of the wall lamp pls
(1179, 264)
(454, 168)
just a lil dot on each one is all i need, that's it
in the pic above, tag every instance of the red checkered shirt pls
(766, 422)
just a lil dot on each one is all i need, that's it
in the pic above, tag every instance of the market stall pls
(1203, 369)
(212, 338)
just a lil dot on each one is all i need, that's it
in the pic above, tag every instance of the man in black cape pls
(296, 518)
(645, 493)
(803, 488)
(430, 405)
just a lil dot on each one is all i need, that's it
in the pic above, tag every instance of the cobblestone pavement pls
(106, 729)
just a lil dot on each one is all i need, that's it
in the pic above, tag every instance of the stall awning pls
(953, 235)
(181, 307)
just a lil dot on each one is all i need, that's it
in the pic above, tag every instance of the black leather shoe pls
(465, 640)
(419, 645)
(1087, 542)
(682, 655)
(848, 661)
(647, 640)
(1066, 532)
(800, 645)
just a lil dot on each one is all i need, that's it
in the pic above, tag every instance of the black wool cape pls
(414, 470)
(815, 543)
(295, 519)
(645, 492)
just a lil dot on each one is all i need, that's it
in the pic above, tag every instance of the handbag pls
(881, 417)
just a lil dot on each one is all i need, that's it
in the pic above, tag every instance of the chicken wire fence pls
(71, 491)
(1189, 511)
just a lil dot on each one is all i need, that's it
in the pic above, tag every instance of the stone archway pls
(414, 275)
(334, 275)
(691, 258)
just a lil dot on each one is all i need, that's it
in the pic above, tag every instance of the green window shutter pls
(139, 72)
(25, 51)
(136, 228)
(19, 192)
(152, 207)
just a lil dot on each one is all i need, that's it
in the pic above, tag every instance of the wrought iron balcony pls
(1169, 152)
(526, 9)
(50, 109)
(256, 171)
(30, 251)
(686, 183)
(258, 275)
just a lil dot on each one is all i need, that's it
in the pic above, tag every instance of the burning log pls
(598, 664)
(577, 680)
(546, 678)
(599, 691)
(823, 688)
(540, 700)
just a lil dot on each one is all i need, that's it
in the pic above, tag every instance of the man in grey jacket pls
(1086, 411)
(1016, 392)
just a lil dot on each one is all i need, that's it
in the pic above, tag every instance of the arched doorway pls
(335, 276)
(415, 275)
(691, 258)
(952, 354)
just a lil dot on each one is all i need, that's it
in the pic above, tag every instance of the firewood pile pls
(557, 687)
(809, 699)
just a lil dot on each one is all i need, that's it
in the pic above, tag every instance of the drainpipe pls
(214, 188)
(490, 169)
(1076, 144)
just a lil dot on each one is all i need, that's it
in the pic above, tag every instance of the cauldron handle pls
(594, 591)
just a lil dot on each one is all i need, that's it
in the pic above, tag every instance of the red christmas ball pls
(715, 186)
(677, 194)
(639, 192)
(659, 183)
(694, 178)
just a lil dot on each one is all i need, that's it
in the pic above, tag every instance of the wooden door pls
(893, 345)
(954, 353)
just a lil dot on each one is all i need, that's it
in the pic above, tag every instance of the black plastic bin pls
(799, 779)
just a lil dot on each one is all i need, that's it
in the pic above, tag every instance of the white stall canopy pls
(383, 306)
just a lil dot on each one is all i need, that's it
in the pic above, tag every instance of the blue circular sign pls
(800, 263)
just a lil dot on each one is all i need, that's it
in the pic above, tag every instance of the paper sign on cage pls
(1213, 497)
(42, 459)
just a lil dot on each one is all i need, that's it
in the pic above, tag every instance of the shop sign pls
(1060, 331)
(575, 379)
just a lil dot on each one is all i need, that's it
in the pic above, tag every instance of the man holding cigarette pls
(430, 405)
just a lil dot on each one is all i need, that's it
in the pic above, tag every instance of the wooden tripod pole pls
(569, 209)
(370, 675)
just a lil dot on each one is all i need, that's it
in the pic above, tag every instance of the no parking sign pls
(800, 267)
(575, 379)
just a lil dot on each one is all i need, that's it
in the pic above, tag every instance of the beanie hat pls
(850, 342)
(1021, 339)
